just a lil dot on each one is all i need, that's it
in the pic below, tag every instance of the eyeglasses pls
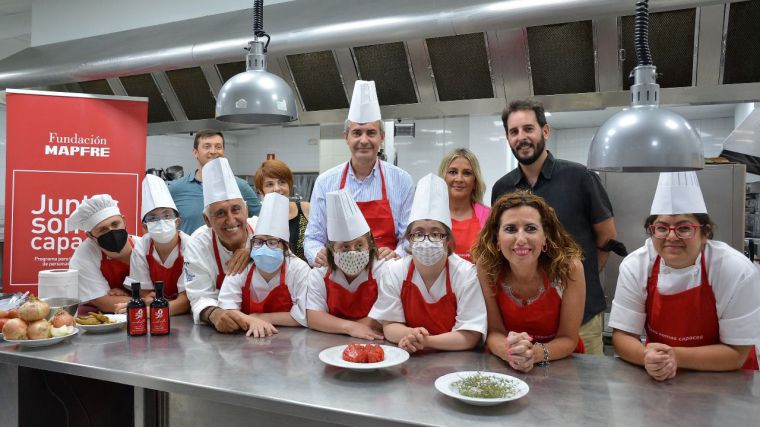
(432, 237)
(683, 231)
(154, 218)
(272, 243)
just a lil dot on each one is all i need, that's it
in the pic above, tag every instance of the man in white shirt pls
(383, 191)
(227, 230)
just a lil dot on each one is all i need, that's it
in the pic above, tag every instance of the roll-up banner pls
(62, 148)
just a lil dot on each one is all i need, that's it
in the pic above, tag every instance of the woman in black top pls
(275, 176)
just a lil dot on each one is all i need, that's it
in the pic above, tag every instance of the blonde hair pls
(480, 186)
(556, 261)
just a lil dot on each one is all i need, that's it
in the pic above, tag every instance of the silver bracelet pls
(544, 362)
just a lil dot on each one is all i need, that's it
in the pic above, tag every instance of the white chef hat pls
(431, 200)
(219, 183)
(678, 193)
(91, 211)
(155, 194)
(273, 217)
(364, 105)
(345, 221)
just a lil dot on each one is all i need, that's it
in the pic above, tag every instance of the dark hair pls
(206, 133)
(521, 105)
(451, 242)
(560, 252)
(373, 253)
(708, 226)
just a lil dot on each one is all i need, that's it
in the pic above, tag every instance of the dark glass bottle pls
(137, 319)
(159, 312)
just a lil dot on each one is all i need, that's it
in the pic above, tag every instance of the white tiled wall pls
(296, 146)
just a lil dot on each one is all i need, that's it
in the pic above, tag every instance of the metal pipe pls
(336, 24)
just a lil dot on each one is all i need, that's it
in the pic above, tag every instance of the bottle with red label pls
(137, 316)
(159, 312)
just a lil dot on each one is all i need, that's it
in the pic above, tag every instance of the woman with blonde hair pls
(461, 171)
(274, 176)
(531, 274)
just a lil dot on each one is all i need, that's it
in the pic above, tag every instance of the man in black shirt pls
(575, 193)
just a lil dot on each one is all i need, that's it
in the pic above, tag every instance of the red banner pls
(61, 148)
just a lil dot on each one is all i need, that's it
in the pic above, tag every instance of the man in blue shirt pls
(187, 191)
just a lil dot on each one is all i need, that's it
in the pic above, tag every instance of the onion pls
(61, 331)
(33, 310)
(3, 314)
(38, 330)
(62, 318)
(13, 313)
(15, 329)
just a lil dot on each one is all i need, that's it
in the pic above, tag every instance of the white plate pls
(43, 342)
(444, 385)
(119, 319)
(334, 356)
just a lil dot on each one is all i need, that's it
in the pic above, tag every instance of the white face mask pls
(163, 230)
(352, 262)
(427, 252)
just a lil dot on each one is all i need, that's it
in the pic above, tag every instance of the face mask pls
(427, 252)
(352, 262)
(114, 240)
(267, 259)
(163, 230)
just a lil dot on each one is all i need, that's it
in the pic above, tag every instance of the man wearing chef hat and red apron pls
(342, 293)
(697, 299)
(383, 191)
(158, 255)
(271, 291)
(228, 229)
(102, 259)
(431, 299)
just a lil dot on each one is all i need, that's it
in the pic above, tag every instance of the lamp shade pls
(256, 97)
(646, 138)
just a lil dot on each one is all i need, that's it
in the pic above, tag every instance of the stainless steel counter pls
(283, 375)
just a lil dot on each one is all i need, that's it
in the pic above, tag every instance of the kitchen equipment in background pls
(174, 172)
(256, 96)
(155, 171)
(645, 138)
(58, 283)
(752, 209)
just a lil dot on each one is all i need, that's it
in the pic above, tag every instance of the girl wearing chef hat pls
(272, 288)
(158, 255)
(531, 273)
(697, 299)
(103, 258)
(431, 298)
(341, 294)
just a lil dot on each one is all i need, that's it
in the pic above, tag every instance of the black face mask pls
(114, 240)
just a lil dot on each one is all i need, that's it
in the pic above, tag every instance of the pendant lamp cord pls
(258, 21)
(641, 33)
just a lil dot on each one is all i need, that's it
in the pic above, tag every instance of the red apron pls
(377, 213)
(114, 270)
(438, 317)
(685, 319)
(465, 233)
(170, 276)
(221, 274)
(351, 305)
(540, 319)
(277, 301)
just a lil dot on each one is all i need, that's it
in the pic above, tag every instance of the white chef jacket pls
(138, 263)
(735, 284)
(200, 269)
(317, 296)
(296, 275)
(471, 308)
(86, 260)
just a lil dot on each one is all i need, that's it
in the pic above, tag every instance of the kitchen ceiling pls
(573, 56)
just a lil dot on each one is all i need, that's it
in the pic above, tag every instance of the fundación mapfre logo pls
(75, 145)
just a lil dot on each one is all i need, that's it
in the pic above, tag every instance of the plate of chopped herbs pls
(481, 388)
